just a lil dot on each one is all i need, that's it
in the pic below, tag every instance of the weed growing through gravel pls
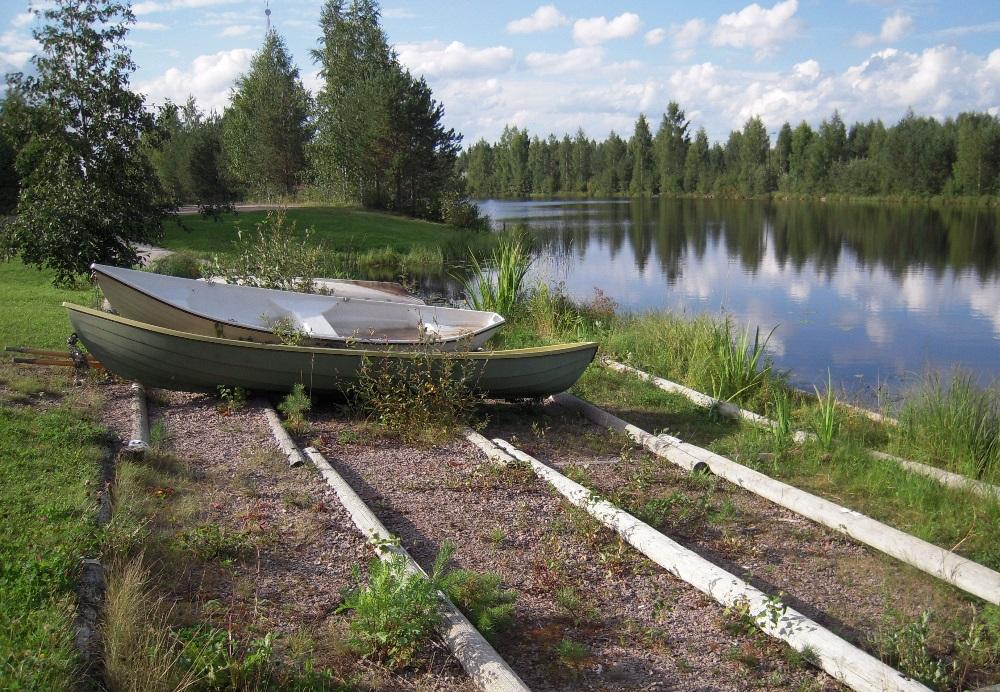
(295, 406)
(211, 542)
(908, 647)
(479, 595)
(571, 653)
(233, 398)
(393, 614)
(421, 399)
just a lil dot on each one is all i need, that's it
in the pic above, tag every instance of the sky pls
(554, 68)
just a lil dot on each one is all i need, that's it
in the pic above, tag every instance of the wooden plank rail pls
(967, 575)
(730, 410)
(836, 656)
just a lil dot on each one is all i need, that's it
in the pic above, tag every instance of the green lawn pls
(339, 228)
(30, 310)
(49, 471)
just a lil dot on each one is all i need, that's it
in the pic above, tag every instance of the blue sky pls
(597, 65)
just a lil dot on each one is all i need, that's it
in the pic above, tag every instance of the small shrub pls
(183, 264)
(571, 653)
(286, 329)
(907, 646)
(295, 406)
(394, 614)
(218, 662)
(274, 256)
(478, 595)
(457, 210)
(419, 399)
(233, 398)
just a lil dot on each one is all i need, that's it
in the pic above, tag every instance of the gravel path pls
(641, 627)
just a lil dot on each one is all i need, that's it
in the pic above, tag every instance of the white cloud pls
(894, 28)
(209, 79)
(595, 30)
(686, 36)
(22, 19)
(398, 13)
(575, 60)
(16, 50)
(758, 28)
(435, 58)
(236, 30)
(150, 26)
(654, 37)
(151, 6)
(544, 18)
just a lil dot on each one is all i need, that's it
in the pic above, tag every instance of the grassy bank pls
(30, 313)
(51, 445)
(360, 244)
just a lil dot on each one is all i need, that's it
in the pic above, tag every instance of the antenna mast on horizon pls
(267, 13)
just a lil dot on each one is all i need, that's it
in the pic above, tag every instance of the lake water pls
(872, 293)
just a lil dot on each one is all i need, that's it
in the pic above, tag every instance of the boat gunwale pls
(95, 267)
(473, 355)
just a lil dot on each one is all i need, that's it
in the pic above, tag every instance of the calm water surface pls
(874, 293)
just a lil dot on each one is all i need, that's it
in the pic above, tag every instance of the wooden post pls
(281, 436)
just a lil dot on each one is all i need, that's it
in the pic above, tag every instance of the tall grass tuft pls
(498, 285)
(956, 423)
(742, 367)
(139, 646)
(825, 422)
(782, 414)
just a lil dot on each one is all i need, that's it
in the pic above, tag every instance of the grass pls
(498, 285)
(50, 467)
(373, 244)
(30, 313)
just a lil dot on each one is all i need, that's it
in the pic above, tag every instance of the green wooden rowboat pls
(168, 359)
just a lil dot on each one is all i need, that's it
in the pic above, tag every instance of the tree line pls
(918, 156)
(88, 169)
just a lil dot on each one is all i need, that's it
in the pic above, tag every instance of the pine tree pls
(88, 191)
(671, 147)
(265, 127)
(641, 150)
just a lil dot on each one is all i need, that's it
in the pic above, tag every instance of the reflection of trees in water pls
(896, 238)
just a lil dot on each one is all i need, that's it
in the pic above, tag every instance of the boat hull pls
(168, 359)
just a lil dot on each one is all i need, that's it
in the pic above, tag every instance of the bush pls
(394, 614)
(183, 264)
(274, 256)
(295, 406)
(459, 211)
(478, 595)
(419, 399)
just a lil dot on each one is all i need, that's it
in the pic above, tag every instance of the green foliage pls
(571, 653)
(285, 328)
(87, 189)
(188, 158)
(421, 398)
(217, 661)
(233, 398)
(781, 413)
(182, 264)
(908, 648)
(380, 139)
(742, 367)
(479, 595)
(211, 542)
(265, 128)
(295, 406)
(826, 422)
(273, 256)
(394, 614)
(955, 423)
(504, 291)
(917, 156)
(47, 526)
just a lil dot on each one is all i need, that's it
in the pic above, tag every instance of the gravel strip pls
(641, 627)
(306, 544)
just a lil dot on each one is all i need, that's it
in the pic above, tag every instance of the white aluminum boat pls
(265, 315)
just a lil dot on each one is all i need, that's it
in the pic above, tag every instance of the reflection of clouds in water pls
(878, 330)
(869, 317)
